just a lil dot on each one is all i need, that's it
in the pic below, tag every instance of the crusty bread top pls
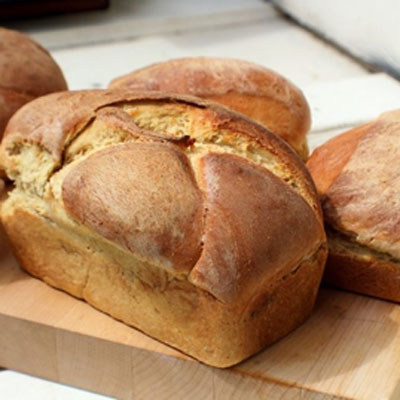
(176, 181)
(53, 121)
(358, 177)
(250, 89)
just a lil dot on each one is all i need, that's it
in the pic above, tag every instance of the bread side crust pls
(357, 268)
(172, 310)
(356, 185)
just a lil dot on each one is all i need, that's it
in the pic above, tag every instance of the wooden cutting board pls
(348, 349)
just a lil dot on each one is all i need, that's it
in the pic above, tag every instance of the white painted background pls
(369, 29)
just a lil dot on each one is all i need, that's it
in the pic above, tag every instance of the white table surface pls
(94, 48)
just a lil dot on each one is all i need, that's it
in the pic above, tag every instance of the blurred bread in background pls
(27, 71)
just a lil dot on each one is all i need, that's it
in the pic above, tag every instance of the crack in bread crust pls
(256, 137)
(149, 121)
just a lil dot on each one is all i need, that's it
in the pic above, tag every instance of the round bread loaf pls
(358, 177)
(250, 89)
(172, 214)
(27, 71)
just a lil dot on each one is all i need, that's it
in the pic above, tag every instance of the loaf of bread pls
(188, 221)
(27, 71)
(250, 89)
(358, 177)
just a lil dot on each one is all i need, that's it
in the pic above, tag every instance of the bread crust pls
(27, 71)
(250, 89)
(359, 269)
(171, 310)
(10, 101)
(357, 175)
(259, 213)
(327, 161)
(55, 120)
(126, 195)
(138, 184)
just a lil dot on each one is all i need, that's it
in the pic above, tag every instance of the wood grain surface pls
(348, 349)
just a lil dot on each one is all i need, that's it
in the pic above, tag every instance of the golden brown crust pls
(150, 205)
(10, 102)
(368, 273)
(26, 67)
(173, 311)
(266, 228)
(123, 195)
(250, 89)
(54, 120)
(328, 161)
(27, 71)
(357, 175)
(363, 199)
(51, 120)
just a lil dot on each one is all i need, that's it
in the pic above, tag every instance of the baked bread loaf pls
(172, 214)
(27, 71)
(250, 89)
(358, 177)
